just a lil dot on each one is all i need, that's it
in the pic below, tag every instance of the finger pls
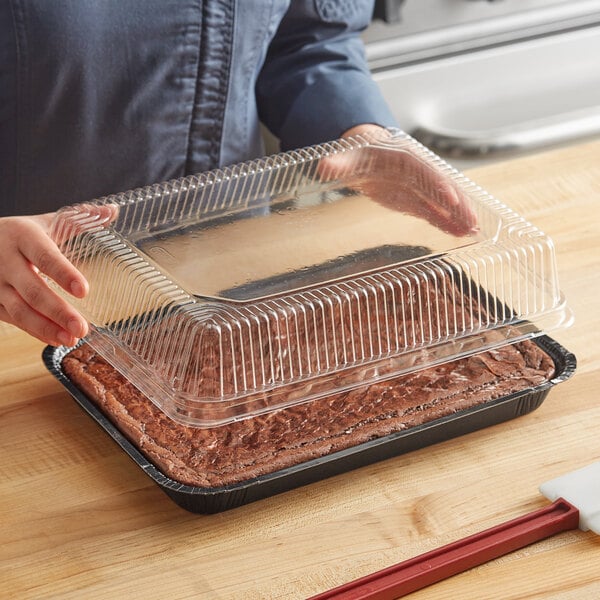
(453, 207)
(446, 218)
(25, 291)
(90, 214)
(464, 218)
(44, 255)
(73, 220)
(104, 213)
(439, 190)
(27, 319)
(337, 166)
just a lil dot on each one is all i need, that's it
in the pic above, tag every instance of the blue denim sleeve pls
(315, 83)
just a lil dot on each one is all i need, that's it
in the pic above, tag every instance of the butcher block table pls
(80, 520)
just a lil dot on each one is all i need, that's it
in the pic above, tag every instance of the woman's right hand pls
(26, 300)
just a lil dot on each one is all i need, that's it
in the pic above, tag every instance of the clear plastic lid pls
(276, 281)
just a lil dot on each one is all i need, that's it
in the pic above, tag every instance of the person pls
(102, 97)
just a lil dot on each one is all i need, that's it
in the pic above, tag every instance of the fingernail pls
(75, 327)
(454, 197)
(66, 339)
(77, 289)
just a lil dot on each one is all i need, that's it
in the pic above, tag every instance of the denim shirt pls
(101, 96)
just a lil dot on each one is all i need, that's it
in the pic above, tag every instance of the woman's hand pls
(410, 186)
(26, 300)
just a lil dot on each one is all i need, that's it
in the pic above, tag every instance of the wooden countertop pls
(80, 520)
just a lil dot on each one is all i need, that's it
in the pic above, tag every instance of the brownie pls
(240, 450)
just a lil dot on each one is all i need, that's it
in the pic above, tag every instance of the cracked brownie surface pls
(241, 450)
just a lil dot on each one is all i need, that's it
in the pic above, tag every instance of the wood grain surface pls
(80, 520)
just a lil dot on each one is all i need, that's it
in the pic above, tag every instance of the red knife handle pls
(431, 567)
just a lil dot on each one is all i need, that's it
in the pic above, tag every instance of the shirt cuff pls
(330, 106)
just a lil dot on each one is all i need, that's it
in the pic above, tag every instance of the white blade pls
(582, 489)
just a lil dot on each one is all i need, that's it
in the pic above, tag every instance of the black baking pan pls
(218, 499)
